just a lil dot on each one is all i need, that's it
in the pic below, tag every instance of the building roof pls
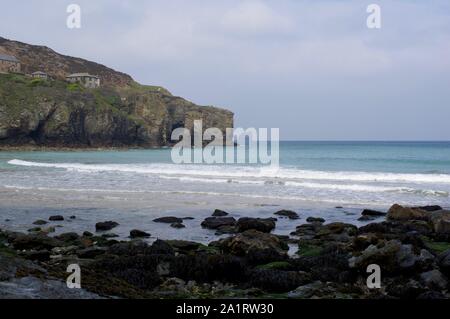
(10, 58)
(76, 75)
(39, 73)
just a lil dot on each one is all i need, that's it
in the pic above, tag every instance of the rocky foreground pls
(411, 245)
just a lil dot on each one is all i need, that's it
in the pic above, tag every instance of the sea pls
(333, 180)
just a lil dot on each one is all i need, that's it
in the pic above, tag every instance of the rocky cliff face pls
(120, 113)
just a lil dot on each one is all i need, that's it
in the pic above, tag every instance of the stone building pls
(85, 79)
(39, 75)
(9, 64)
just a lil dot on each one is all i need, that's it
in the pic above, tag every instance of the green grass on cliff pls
(137, 88)
(24, 101)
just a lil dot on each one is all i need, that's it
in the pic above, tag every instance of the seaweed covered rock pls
(265, 225)
(254, 246)
(400, 213)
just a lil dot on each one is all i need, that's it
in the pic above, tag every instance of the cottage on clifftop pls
(9, 64)
(39, 75)
(85, 79)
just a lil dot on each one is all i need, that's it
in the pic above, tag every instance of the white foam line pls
(243, 171)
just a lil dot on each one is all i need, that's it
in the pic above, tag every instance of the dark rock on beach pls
(219, 213)
(177, 225)
(168, 220)
(265, 225)
(411, 246)
(135, 233)
(371, 212)
(287, 213)
(104, 226)
(33, 241)
(400, 213)
(68, 237)
(56, 218)
(315, 220)
(255, 246)
(217, 222)
(430, 208)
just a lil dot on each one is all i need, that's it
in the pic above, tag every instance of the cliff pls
(120, 113)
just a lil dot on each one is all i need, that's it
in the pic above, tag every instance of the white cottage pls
(85, 79)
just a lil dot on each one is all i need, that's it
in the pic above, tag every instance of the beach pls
(329, 206)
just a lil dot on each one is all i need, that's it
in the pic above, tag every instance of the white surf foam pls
(240, 172)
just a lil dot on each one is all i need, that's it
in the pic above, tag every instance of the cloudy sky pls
(310, 67)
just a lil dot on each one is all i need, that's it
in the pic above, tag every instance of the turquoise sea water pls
(340, 172)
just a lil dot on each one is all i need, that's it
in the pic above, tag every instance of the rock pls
(385, 256)
(441, 221)
(288, 213)
(130, 248)
(35, 229)
(263, 225)
(337, 228)
(183, 245)
(104, 226)
(217, 222)
(161, 247)
(67, 250)
(177, 225)
(168, 220)
(434, 279)
(405, 256)
(444, 261)
(40, 222)
(370, 212)
(273, 280)
(397, 228)
(315, 220)
(90, 253)
(35, 242)
(36, 288)
(400, 213)
(393, 257)
(68, 237)
(73, 217)
(56, 218)
(307, 231)
(87, 234)
(314, 289)
(37, 255)
(255, 246)
(430, 208)
(135, 233)
(110, 235)
(230, 229)
(219, 213)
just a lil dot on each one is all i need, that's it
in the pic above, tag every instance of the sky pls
(311, 68)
